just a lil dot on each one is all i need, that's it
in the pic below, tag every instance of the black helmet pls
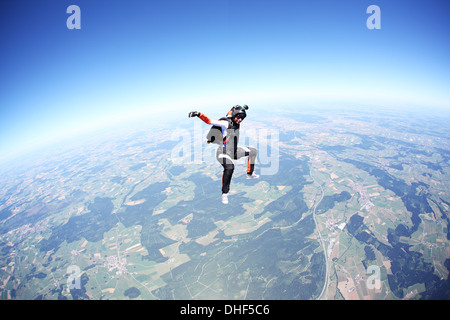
(237, 110)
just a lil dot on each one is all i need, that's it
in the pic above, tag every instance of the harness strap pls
(222, 155)
(246, 150)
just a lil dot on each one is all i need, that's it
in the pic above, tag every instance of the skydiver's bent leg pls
(251, 153)
(251, 161)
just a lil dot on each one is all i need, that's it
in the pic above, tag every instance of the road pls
(325, 285)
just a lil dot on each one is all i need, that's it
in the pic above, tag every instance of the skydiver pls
(225, 133)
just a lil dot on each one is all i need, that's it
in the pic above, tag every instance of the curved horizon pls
(140, 57)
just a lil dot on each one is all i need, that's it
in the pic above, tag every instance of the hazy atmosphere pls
(139, 57)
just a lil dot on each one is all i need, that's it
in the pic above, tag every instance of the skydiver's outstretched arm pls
(201, 116)
(205, 119)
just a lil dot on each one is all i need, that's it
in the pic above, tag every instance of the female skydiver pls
(227, 136)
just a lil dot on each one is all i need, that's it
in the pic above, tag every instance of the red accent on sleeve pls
(205, 118)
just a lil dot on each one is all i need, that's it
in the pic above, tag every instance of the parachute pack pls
(215, 134)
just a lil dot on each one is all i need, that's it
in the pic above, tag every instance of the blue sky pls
(167, 57)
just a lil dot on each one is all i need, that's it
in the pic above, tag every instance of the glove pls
(194, 114)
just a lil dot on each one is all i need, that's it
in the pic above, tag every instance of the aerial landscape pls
(109, 189)
(353, 198)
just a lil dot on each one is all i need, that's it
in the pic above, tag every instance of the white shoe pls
(252, 176)
(225, 198)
